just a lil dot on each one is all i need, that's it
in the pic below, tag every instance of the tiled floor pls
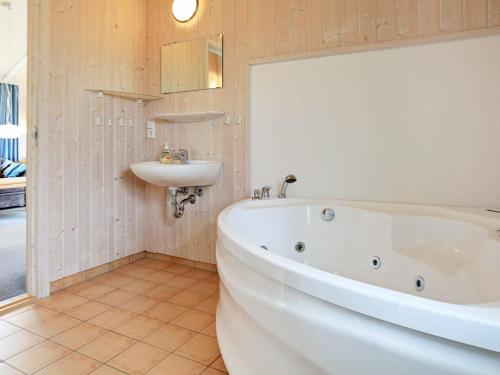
(149, 317)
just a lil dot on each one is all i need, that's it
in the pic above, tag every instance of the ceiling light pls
(184, 10)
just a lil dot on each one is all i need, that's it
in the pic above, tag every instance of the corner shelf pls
(188, 117)
(126, 95)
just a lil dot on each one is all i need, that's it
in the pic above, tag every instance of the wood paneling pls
(89, 208)
(89, 205)
(451, 12)
(265, 29)
(494, 13)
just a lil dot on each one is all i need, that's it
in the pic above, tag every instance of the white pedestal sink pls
(195, 173)
(179, 178)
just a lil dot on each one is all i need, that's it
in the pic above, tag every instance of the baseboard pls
(67, 281)
(184, 261)
(92, 272)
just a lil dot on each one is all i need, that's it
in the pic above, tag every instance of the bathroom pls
(260, 187)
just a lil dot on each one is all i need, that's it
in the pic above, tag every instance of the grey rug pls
(12, 252)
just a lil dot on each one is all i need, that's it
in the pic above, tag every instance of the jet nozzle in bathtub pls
(289, 179)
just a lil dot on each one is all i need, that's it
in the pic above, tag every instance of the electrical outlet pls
(151, 130)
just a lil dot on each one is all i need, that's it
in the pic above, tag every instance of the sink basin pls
(195, 173)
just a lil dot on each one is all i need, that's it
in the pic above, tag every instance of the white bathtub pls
(327, 310)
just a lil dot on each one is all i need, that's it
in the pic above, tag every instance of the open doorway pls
(13, 149)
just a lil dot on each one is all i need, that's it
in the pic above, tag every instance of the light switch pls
(151, 130)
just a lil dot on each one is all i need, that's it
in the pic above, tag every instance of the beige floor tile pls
(159, 264)
(160, 277)
(178, 268)
(209, 306)
(187, 298)
(7, 329)
(138, 359)
(125, 269)
(53, 326)
(38, 357)
(112, 318)
(219, 364)
(193, 320)
(17, 343)
(143, 262)
(200, 348)
(165, 311)
(113, 279)
(79, 335)
(106, 346)
(162, 292)
(212, 371)
(139, 286)
(135, 271)
(61, 301)
(169, 337)
(182, 282)
(5, 369)
(174, 364)
(88, 310)
(74, 364)
(214, 277)
(90, 289)
(106, 370)
(139, 327)
(32, 316)
(198, 274)
(205, 287)
(139, 304)
(116, 297)
(210, 330)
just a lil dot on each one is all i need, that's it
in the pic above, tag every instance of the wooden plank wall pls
(255, 29)
(90, 205)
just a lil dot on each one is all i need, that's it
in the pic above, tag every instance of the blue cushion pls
(9, 168)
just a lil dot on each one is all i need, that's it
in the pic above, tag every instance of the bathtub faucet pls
(289, 179)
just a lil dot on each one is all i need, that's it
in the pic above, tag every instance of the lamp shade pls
(184, 10)
(9, 131)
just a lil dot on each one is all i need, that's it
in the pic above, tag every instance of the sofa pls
(12, 192)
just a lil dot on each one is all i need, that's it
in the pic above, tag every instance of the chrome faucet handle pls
(265, 191)
(257, 194)
(182, 155)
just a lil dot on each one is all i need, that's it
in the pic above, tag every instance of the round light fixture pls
(184, 10)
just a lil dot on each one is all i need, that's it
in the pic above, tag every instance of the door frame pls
(37, 204)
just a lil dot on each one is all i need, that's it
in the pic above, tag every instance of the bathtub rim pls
(465, 323)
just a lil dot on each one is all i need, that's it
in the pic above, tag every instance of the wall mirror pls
(192, 65)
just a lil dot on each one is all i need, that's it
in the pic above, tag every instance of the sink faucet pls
(181, 155)
(289, 179)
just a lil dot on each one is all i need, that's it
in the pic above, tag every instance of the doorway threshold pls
(14, 303)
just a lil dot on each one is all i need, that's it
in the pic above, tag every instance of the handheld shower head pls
(289, 179)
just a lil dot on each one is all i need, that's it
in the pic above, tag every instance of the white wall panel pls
(415, 124)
